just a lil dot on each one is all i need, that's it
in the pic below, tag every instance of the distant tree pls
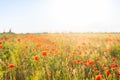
(10, 31)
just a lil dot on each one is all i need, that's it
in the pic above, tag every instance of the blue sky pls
(60, 15)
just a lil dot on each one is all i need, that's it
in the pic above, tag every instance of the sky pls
(29, 16)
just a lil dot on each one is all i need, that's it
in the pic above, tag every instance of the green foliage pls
(115, 51)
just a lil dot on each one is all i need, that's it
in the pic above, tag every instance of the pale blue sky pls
(60, 15)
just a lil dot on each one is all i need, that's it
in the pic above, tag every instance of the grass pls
(59, 56)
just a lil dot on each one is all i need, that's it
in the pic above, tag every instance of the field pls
(65, 56)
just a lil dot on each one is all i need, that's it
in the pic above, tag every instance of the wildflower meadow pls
(60, 56)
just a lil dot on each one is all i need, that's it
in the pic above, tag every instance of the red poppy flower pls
(76, 61)
(0, 47)
(95, 69)
(98, 77)
(97, 59)
(107, 73)
(36, 57)
(118, 73)
(113, 66)
(113, 59)
(11, 66)
(19, 40)
(91, 62)
(44, 53)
